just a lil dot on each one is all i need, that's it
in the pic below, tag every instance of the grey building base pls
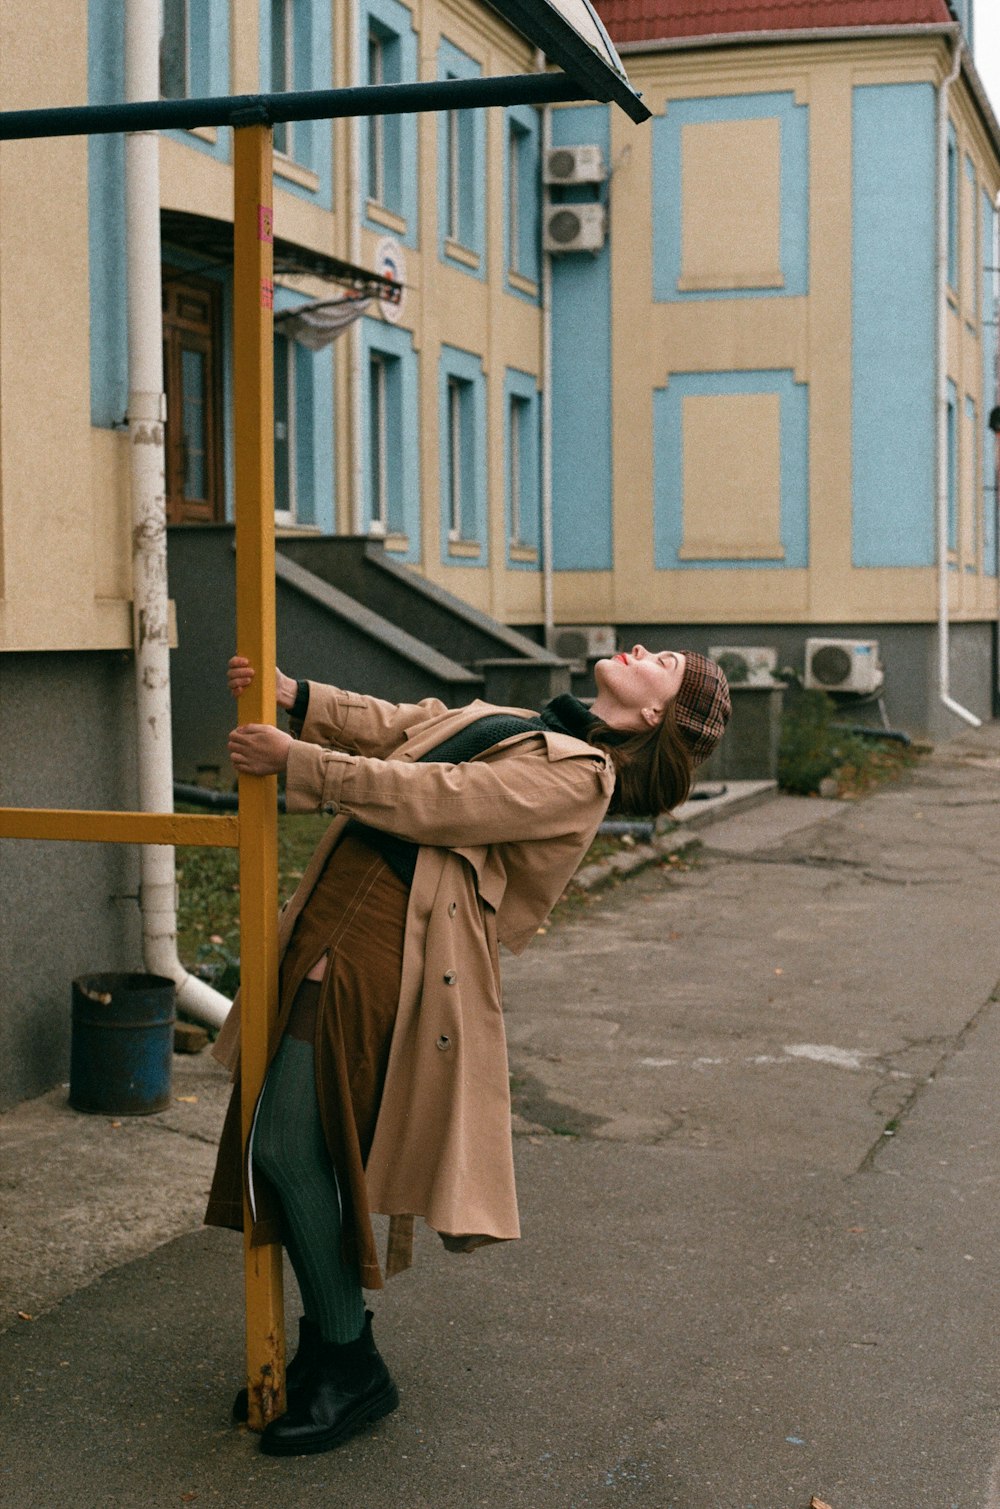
(67, 738)
(909, 653)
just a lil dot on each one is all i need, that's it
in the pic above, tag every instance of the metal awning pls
(211, 241)
(572, 35)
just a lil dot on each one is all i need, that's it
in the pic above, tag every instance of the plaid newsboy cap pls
(702, 706)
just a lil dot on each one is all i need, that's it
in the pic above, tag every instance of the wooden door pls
(192, 373)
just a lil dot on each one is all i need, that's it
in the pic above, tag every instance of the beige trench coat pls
(500, 837)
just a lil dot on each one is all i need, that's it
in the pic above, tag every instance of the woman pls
(387, 1091)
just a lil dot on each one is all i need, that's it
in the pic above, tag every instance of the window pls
(463, 473)
(376, 123)
(952, 208)
(283, 65)
(523, 198)
(461, 171)
(460, 190)
(515, 149)
(385, 485)
(390, 437)
(457, 472)
(174, 50)
(972, 198)
(385, 131)
(520, 451)
(284, 429)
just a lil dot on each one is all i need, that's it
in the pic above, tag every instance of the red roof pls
(655, 20)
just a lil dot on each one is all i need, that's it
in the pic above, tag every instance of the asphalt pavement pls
(758, 1152)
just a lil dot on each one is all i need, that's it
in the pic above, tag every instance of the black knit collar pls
(566, 714)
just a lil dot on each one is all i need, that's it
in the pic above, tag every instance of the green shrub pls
(813, 747)
(807, 751)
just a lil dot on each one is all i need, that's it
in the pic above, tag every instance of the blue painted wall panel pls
(667, 200)
(893, 325)
(668, 465)
(581, 380)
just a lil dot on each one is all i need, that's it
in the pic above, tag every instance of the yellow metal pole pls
(253, 394)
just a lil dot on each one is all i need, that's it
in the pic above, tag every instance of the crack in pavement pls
(953, 1045)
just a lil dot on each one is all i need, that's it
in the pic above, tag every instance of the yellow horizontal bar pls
(197, 829)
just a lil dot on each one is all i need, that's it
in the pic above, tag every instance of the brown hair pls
(654, 770)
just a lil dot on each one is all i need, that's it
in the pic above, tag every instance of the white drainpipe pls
(548, 611)
(146, 414)
(944, 647)
(354, 256)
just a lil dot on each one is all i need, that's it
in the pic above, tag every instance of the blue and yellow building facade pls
(763, 328)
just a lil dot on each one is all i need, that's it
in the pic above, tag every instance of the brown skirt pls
(357, 916)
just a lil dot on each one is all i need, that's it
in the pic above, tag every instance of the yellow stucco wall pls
(61, 541)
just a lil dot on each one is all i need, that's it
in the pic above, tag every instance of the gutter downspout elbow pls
(146, 416)
(943, 479)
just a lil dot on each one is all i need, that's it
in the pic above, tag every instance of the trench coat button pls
(443, 1043)
(450, 977)
(452, 908)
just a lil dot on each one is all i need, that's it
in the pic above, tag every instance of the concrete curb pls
(676, 833)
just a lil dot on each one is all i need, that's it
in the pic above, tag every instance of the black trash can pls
(122, 1044)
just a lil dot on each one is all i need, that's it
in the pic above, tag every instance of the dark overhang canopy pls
(572, 35)
(211, 241)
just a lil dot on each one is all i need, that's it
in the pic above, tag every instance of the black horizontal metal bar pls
(313, 104)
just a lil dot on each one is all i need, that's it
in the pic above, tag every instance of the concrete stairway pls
(346, 613)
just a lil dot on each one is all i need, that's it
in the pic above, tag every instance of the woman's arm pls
(336, 719)
(518, 796)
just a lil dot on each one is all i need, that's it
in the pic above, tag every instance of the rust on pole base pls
(253, 405)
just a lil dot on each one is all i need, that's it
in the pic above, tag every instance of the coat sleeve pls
(516, 797)
(361, 725)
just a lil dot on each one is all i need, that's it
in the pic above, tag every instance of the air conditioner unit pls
(574, 227)
(574, 165)
(582, 643)
(746, 665)
(843, 665)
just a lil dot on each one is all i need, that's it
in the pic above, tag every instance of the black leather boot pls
(296, 1372)
(348, 1388)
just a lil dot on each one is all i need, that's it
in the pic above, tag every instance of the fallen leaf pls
(23, 1315)
(116, 1123)
(215, 938)
(815, 1503)
(189, 1100)
(188, 1498)
(779, 971)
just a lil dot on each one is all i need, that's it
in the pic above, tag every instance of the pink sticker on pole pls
(266, 293)
(265, 223)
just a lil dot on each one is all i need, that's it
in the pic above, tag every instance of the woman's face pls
(635, 687)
